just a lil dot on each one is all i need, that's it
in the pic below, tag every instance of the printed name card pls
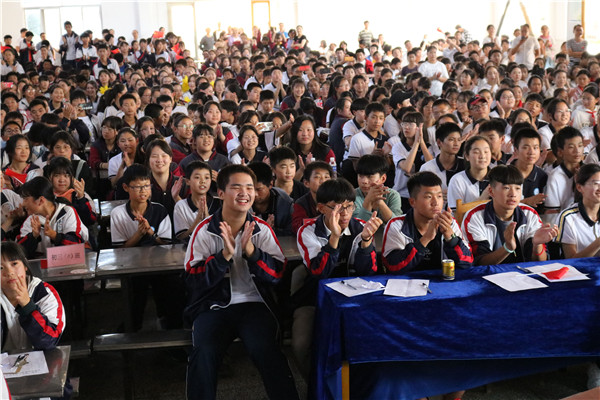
(62, 256)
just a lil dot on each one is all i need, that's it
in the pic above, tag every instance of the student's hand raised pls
(333, 222)
(543, 154)
(36, 226)
(79, 186)
(374, 197)
(509, 236)
(48, 231)
(127, 160)
(228, 241)
(545, 234)
(247, 245)
(176, 188)
(444, 220)
(430, 233)
(370, 228)
(386, 149)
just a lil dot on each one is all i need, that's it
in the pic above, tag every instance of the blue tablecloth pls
(465, 319)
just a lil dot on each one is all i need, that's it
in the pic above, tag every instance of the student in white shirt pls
(470, 185)
(579, 225)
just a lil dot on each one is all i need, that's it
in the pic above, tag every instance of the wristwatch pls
(451, 237)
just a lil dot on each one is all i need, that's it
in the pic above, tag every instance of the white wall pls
(329, 20)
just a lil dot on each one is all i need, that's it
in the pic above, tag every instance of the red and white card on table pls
(63, 256)
(555, 272)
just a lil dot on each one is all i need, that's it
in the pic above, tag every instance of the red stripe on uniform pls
(304, 249)
(461, 255)
(322, 264)
(188, 266)
(48, 330)
(269, 270)
(403, 263)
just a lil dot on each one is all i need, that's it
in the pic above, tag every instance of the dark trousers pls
(169, 298)
(215, 330)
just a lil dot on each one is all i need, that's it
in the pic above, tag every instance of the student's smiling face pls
(239, 193)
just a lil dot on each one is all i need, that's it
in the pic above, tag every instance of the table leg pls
(345, 380)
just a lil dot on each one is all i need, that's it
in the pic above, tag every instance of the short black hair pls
(58, 165)
(278, 154)
(371, 164)
(566, 133)
(315, 165)
(136, 172)
(445, 129)
(194, 165)
(266, 95)
(263, 172)
(226, 172)
(200, 128)
(336, 190)
(494, 124)
(420, 179)
(506, 175)
(374, 107)
(525, 133)
(359, 104)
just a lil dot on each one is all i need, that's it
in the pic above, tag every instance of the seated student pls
(32, 312)
(372, 139)
(101, 151)
(228, 279)
(447, 163)
(410, 150)
(127, 140)
(166, 186)
(59, 172)
(332, 245)
(199, 204)
(249, 140)
(12, 214)
(20, 169)
(493, 130)
(503, 230)
(469, 185)
(527, 143)
(352, 127)
(579, 223)
(204, 139)
(182, 136)
(267, 104)
(283, 163)
(141, 222)
(426, 234)
(306, 144)
(271, 204)
(559, 188)
(372, 194)
(305, 207)
(50, 222)
(128, 106)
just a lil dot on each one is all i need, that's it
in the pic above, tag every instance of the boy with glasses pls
(332, 245)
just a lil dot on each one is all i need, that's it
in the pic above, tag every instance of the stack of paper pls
(355, 286)
(406, 287)
(18, 365)
(514, 281)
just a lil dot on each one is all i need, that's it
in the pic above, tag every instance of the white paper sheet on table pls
(355, 287)
(36, 365)
(514, 281)
(406, 287)
(573, 275)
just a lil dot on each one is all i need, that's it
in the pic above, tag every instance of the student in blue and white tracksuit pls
(232, 261)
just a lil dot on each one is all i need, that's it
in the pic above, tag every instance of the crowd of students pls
(266, 138)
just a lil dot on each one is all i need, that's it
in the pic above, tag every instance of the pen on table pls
(19, 359)
(427, 287)
(347, 284)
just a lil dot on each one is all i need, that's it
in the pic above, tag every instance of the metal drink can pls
(448, 269)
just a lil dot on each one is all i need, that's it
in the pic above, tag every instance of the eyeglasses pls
(184, 126)
(408, 124)
(12, 132)
(63, 147)
(567, 111)
(344, 209)
(593, 184)
(140, 189)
